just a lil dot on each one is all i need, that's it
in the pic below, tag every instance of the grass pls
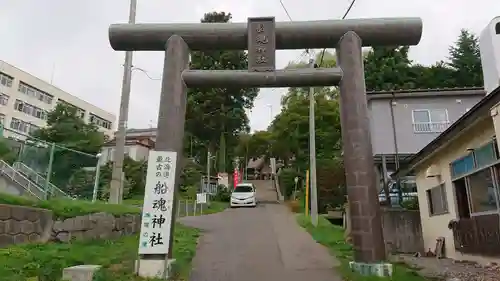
(332, 237)
(66, 208)
(214, 207)
(46, 261)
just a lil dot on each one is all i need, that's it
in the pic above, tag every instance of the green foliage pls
(389, 68)
(66, 129)
(212, 113)
(65, 208)
(46, 261)
(465, 60)
(331, 184)
(332, 237)
(7, 154)
(410, 204)
(254, 145)
(223, 194)
(287, 181)
(191, 174)
(290, 130)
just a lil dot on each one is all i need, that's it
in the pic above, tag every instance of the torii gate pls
(261, 37)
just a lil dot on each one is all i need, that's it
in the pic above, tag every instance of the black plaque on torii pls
(261, 44)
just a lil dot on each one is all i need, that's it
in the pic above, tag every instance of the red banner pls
(236, 179)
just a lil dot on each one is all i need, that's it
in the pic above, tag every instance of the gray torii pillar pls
(366, 231)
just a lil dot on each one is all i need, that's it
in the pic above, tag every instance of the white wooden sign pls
(158, 203)
(201, 198)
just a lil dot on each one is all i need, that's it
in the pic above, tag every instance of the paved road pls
(263, 243)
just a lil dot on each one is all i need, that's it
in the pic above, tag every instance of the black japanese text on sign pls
(261, 44)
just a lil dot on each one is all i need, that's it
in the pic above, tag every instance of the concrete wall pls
(19, 224)
(402, 231)
(435, 226)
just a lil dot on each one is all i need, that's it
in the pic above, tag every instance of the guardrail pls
(38, 179)
(21, 180)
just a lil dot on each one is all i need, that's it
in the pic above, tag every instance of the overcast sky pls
(68, 40)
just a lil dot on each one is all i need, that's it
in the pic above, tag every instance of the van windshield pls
(243, 188)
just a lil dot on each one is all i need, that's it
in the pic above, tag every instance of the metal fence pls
(210, 188)
(55, 170)
(186, 208)
(60, 170)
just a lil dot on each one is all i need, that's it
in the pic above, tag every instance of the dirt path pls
(264, 243)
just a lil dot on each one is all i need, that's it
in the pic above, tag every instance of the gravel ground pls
(451, 270)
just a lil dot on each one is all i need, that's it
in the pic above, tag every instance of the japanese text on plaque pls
(157, 210)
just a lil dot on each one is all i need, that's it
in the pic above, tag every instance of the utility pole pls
(208, 168)
(117, 175)
(312, 154)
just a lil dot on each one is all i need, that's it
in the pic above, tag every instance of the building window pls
(482, 192)
(2, 118)
(462, 165)
(436, 197)
(22, 126)
(29, 109)
(34, 92)
(94, 119)
(497, 28)
(485, 155)
(4, 99)
(430, 120)
(6, 80)
(79, 112)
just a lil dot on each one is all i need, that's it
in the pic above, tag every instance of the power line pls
(343, 17)
(286, 10)
(147, 73)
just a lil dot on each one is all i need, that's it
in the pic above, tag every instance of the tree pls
(328, 60)
(215, 114)
(436, 76)
(465, 59)
(66, 129)
(290, 129)
(387, 68)
(6, 153)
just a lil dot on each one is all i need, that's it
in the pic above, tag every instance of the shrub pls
(223, 194)
(287, 181)
(410, 204)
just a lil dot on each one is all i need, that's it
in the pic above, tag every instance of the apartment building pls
(25, 101)
(403, 122)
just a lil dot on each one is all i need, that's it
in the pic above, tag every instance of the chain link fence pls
(61, 171)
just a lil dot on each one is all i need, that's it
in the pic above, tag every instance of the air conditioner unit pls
(433, 171)
(489, 44)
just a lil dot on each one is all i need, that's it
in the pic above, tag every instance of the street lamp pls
(97, 174)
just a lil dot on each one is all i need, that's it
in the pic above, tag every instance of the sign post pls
(307, 193)
(158, 206)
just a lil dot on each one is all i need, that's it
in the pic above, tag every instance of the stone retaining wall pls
(92, 226)
(19, 224)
